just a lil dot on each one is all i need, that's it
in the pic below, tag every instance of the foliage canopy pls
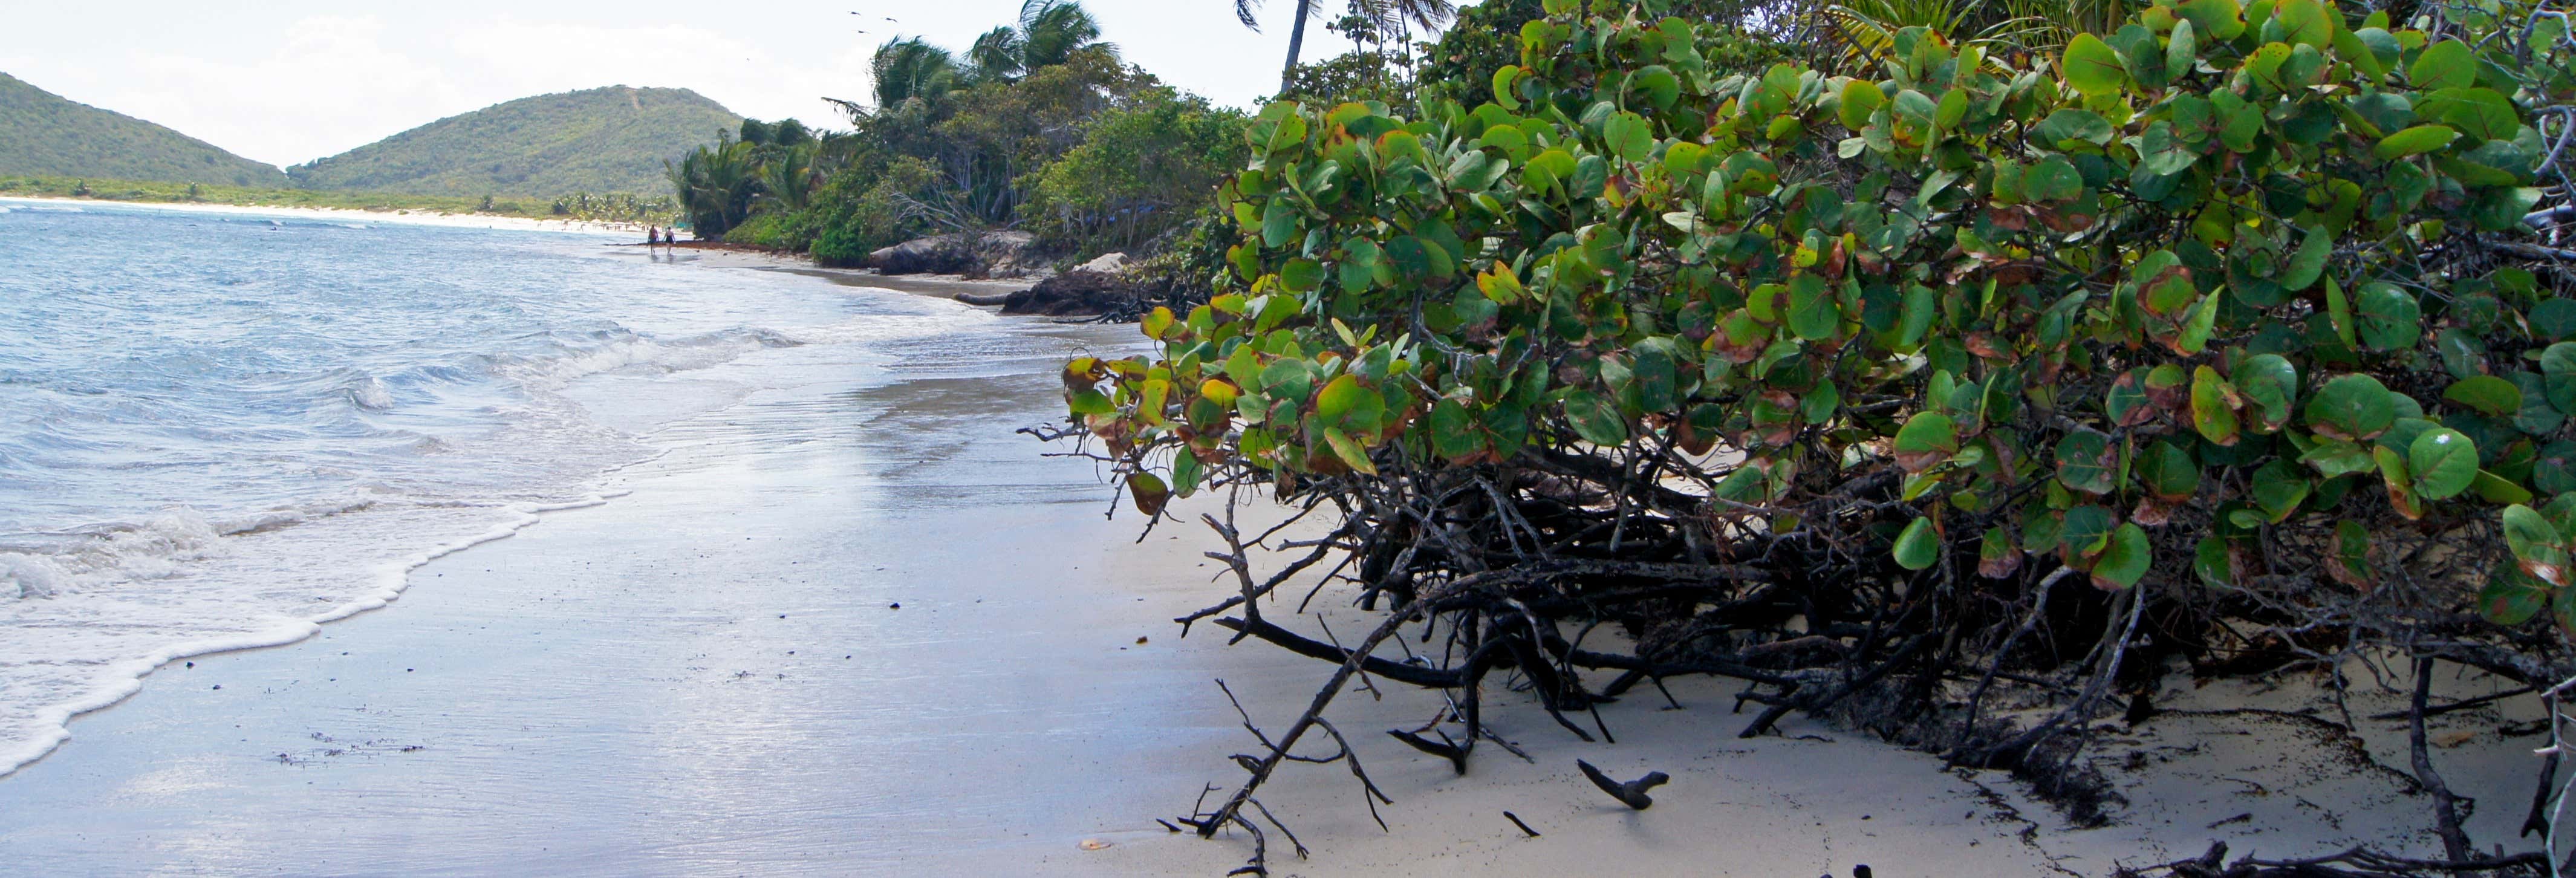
(2228, 311)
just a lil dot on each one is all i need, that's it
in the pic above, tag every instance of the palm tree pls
(788, 179)
(998, 54)
(911, 72)
(1428, 15)
(716, 185)
(1049, 32)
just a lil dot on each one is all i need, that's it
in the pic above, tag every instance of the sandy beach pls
(853, 625)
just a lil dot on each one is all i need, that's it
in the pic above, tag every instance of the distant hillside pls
(600, 140)
(44, 135)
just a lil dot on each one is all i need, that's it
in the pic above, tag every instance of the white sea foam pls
(46, 726)
(270, 462)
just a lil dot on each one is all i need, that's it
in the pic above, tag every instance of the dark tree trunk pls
(1296, 41)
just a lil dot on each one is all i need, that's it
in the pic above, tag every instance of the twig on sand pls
(1632, 793)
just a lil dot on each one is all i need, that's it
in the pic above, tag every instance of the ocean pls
(219, 430)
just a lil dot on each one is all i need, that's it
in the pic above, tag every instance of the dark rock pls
(940, 255)
(992, 254)
(1077, 293)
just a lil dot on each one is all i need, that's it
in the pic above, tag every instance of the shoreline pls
(416, 218)
(852, 626)
(985, 291)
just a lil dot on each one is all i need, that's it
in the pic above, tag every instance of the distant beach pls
(403, 217)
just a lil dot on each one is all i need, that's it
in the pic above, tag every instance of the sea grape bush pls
(2214, 297)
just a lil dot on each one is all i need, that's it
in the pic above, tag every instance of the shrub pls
(1140, 172)
(2217, 313)
(860, 211)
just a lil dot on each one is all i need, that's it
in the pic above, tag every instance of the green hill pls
(45, 135)
(601, 140)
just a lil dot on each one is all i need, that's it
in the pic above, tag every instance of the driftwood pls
(1630, 793)
(1487, 576)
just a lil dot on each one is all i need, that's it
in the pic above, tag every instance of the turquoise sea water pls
(219, 429)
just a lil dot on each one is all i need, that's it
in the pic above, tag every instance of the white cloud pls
(330, 83)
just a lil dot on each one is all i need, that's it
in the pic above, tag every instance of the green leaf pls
(1813, 312)
(1861, 98)
(1630, 136)
(2222, 20)
(2086, 462)
(2444, 463)
(2335, 457)
(2494, 489)
(2304, 22)
(2181, 50)
(2558, 375)
(1662, 88)
(1418, 258)
(2309, 262)
(1185, 474)
(1338, 398)
(2352, 407)
(2271, 383)
(1820, 404)
(1278, 223)
(2511, 596)
(2445, 64)
(2553, 319)
(2161, 153)
(1503, 79)
(2339, 314)
(2389, 317)
(2210, 413)
(2532, 537)
(1453, 433)
(1349, 450)
(1595, 419)
(2053, 179)
(1302, 275)
(2085, 531)
(2210, 562)
(2486, 395)
(2413, 141)
(1654, 376)
(2351, 552)
(2092, 67)
(2125, 560)
(2167, 470)
(2278, 488)
(1148, 491)
(1926, 439)
(1091, 402)
(2072, 124)
(1918, 546)
(2483, 113)
(1157, 322)
(2195, 331)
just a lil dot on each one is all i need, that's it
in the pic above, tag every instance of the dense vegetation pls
(1968, 351)
(613, 139)
(42, 134)
(1037, 126)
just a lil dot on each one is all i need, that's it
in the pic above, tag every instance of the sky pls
(289, 81)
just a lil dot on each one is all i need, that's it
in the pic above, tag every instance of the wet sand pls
(710, 675)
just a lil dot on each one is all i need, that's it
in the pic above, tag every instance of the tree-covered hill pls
(44, 134)
(600, 140)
